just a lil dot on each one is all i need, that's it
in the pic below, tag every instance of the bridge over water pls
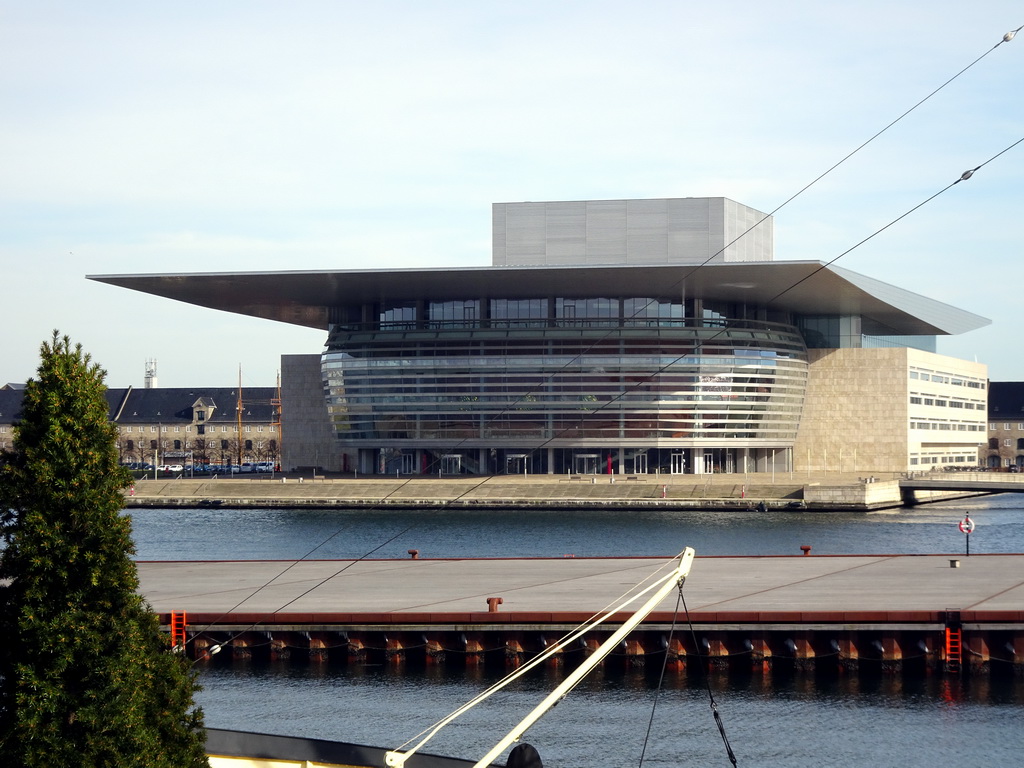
(985, 482)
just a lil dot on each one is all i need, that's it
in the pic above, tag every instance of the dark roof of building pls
(10, 404)
(169, 404)
(806, 287)
(1006, 399)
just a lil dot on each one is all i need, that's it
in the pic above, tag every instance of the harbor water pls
(772, 719)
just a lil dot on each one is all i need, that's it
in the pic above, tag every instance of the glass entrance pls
(640, 464)
(585, 463)
(407, 463)
(451, 464)
(709, 463)
(677, 464)
(515, 464)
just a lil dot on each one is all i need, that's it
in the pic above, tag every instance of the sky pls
(259, 136)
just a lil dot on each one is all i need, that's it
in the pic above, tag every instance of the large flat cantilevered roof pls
(805, 287)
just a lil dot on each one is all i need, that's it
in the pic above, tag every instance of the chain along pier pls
(897, 613)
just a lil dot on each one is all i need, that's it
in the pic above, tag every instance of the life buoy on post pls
(966, 527)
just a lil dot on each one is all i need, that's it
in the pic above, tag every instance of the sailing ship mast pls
(664, 585)
(238, 416)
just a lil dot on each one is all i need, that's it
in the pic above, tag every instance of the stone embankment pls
(820, 492)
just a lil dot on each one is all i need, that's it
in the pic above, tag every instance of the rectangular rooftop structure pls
(689, 230)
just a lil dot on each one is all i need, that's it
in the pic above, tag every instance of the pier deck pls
(847, 611)
(752, 585)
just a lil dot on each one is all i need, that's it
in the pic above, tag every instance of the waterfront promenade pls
(807, 490)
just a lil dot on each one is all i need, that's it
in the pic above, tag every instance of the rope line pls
(707, 684)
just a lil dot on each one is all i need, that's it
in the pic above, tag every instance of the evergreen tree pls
(86, 678)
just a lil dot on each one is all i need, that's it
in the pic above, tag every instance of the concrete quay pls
(900, 612)
(811, 491)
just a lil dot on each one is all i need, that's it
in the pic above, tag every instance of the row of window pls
(538, 309)
(207, 429)
(948, 426)
(940, 403)
(993, 443)
(964, 459)
(177, 445)
(993, 427)
(945, 378)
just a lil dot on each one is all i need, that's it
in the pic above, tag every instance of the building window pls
(1006, 426)
(402, 316)
(131, 445)
(200, 415)
(177, 445)
(993, 444)
(259, 429)
(1007, 442)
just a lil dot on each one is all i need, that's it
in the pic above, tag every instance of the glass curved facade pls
(563, 385)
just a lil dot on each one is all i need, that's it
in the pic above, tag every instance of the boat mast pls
(238, 417)
(673, 579)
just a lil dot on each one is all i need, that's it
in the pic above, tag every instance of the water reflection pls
(771, 719)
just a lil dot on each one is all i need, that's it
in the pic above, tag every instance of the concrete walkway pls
(788, 586)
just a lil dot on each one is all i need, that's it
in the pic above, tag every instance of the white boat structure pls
(239, 749)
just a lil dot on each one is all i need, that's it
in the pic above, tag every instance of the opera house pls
(612, 336)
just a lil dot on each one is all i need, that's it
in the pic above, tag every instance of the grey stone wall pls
(308, 437)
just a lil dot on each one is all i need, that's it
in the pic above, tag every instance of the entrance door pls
(640, 464)
(408, 463)
(677, 464)
(451, 464)
(515, 464)
(586, 463)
